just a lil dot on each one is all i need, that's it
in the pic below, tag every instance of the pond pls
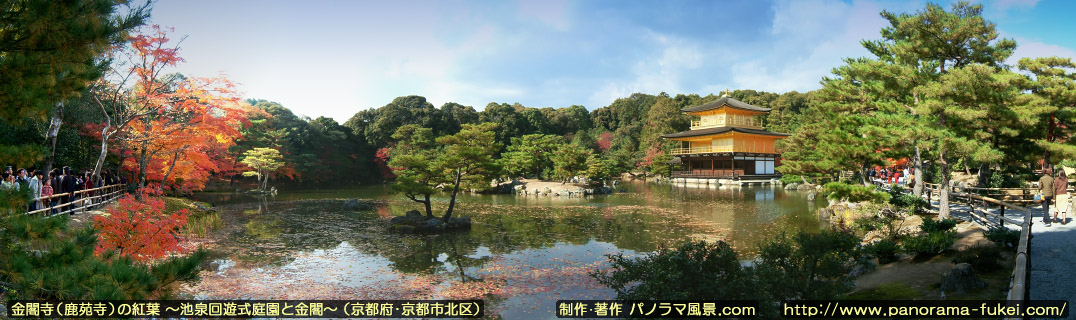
(522, 254)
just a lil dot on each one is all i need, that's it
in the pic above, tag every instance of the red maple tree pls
(140, 230)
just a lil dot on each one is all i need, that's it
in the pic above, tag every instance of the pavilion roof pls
(723, 101)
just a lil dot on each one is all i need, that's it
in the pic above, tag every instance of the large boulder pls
(430, 226)
(792, 186)
(459, 223)
(411, 217)
(202, 207)
(356, 204)
(960, 279)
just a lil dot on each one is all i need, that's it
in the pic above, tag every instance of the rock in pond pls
(356, 204)
(961, 279)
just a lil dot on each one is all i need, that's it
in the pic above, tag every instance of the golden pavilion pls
(727, 141)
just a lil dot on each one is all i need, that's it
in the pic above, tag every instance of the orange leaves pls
(140, 230)
(179, 126)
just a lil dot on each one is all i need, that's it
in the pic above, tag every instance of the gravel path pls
(1053, 260)
(1053, 255)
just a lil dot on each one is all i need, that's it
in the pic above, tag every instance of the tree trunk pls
(943, 197)
(984, 175)
(917, 189)
(265, 181)
(452, 201)
(54, 129)
(967, 166)
(863, 175)
(104, 138)
(170, 167)
(429, 210)
(1051, 126)
(142, 162)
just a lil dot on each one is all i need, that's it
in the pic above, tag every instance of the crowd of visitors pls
(904, 176)
(61, 181)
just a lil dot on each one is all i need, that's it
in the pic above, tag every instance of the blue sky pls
(334, 58)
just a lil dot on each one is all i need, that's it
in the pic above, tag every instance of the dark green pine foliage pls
(1053, 88)
(50, 51)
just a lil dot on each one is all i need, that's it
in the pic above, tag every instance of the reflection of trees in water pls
(275, 228)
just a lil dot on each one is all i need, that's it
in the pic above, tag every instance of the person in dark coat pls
(68, 184)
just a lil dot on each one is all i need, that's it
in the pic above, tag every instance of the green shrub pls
(805, 266)
(933, 226)
(929, 244)
(867, 223)
(808, 266)
(790, 178)
(687, 272)
(1003, 180)
(1003, 236)
(885, 250)
(908, 201)
(854, 193)
(981, 258)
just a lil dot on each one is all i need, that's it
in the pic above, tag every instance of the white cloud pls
(550, 12)
(1001, 8)
(810, 39)
(1034, 49)
(664, 70)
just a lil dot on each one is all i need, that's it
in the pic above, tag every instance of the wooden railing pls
(977, 204)
(81, 200)
(702, 124)
(712, 149)
(704, 149)
(707, 173)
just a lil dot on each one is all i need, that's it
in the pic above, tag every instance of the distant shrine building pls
(727, 142)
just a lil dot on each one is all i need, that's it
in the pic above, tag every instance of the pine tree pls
(51, 51)
(1054, 90)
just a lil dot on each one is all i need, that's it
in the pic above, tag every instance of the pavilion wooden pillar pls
(733, 159)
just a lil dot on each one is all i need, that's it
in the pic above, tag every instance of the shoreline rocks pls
(414, 222)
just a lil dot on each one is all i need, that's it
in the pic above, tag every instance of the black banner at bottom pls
(247, 308)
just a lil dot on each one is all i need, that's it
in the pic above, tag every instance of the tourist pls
(23, 178)
(35, 190)
(54, 175)
(46, 192)
(1046, 187)
(68, 184)
(7, 183)
(1061, 196)
(87, 184)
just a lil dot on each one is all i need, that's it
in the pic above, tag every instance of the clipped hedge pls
(933, 226)
(928, 244)
(885, 250)
(854, 193)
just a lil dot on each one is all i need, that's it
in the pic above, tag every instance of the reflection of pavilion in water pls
(749, 214)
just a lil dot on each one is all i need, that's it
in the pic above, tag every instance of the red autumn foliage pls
(140, 230)
(382, 161)
(605, 141)
(178, 128)
(648, 159)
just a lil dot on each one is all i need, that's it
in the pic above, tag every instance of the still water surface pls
(522, 254)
